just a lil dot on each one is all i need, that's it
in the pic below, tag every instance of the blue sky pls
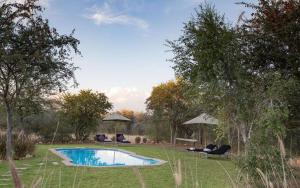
(122, 42)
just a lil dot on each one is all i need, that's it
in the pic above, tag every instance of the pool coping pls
(66, 161)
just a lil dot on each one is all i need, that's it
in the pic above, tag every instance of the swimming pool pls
(103, 157)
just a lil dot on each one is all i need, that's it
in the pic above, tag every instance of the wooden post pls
(115, 135)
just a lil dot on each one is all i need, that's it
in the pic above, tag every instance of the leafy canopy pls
(82, 111)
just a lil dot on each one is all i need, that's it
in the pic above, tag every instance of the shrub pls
(113, 139)
(50, 133)
(145, 140)
(48, 127)
(137, 140)
(157, 128)
(22, 146)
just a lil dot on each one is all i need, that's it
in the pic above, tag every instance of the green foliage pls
(208, 57)
(55, 132)
(157, 127)
(82, 111)
(271, 51)
(168, 102)
(35, 58)
(247, 75)
(264, 154)
(49, 126)
(293, 142)
(205, 51)
(137, 140)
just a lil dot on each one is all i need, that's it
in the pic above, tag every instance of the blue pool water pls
(104, 157)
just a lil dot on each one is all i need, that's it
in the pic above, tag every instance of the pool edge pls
(66, 161)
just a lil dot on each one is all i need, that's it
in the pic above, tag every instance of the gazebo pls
(202, 119)
(116, 117)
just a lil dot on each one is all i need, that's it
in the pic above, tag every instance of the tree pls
(157, 126)
(248, 74)
(208, 57)
(34, 56)
(82, 111)
(168, 100)
(271, 48)
(29, 104)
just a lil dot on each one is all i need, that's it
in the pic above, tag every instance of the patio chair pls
(222, 151)
(122, 139)
(102, 138)
(209, 147)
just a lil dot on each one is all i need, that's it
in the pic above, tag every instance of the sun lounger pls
(221, 151)
(209, 147)
(102, 138)
(122, 139)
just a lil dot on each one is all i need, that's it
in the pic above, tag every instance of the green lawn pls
(195, 170)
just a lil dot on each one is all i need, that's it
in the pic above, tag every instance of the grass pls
(195, 171)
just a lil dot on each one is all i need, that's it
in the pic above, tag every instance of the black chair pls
(102, 138)
(211, 147)
(120, 138)
(221, 151)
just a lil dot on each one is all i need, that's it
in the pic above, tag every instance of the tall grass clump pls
(266, 165)
(23, 146)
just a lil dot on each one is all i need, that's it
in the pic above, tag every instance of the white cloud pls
(102, 18)
(196, 1)
(127, 98)
(105, 16)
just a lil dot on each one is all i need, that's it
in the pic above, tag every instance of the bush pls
(50, 133)
(157, 131)
(22, 146)
(145, 140)
(137, 140)
(47, 126)
(113, 139)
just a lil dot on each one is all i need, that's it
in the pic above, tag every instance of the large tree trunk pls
(9, 154)
(9, 121)
(244, 133)
(175, 135)
(171, 134)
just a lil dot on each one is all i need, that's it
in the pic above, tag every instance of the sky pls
(123, 42)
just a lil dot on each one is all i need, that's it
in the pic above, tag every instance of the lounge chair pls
(122, 139)
(102, 138)
(221, 151)
(209, 147)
